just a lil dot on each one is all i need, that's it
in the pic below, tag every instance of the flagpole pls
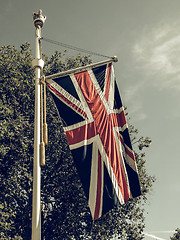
(37, 64)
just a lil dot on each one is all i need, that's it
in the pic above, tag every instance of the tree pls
(65, 214)
(176, 235)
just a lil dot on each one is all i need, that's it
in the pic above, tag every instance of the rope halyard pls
(44, 137)
(45, 129)
(73, 47)
(42, 145)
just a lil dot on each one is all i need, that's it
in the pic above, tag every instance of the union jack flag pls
(97, 133)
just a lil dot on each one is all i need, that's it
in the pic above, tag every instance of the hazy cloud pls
(153, 236)
(158, 54)
(167, 231)
(132, 91)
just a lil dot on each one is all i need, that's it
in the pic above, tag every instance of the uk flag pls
(96, 129)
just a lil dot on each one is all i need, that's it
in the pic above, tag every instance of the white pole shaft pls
(36, 211)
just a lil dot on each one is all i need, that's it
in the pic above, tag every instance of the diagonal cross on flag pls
(97, 135)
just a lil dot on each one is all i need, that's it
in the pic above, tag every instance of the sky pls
(145, 35)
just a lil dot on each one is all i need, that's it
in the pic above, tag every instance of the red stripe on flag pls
(129, 152)
(119, 119)
(81, 133)
(104, 127)
(67, 101)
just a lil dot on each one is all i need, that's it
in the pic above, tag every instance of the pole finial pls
(39, 19)
(115, 59)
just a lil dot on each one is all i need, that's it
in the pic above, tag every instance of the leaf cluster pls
(16, 137)
(65, 212)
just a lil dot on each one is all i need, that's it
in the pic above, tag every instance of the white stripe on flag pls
(93, 182)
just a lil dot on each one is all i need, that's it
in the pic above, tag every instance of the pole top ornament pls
(39, 19)
(115, 59)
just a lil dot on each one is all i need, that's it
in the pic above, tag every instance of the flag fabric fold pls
(96, 129)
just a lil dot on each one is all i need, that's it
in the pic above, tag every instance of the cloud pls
(157, 53)
(141, 116)
(132, 91)
(153, 236)
(133, 101)
(167, 231)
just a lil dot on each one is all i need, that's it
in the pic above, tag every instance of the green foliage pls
(176, 235)
(16, 137)
(65, 214)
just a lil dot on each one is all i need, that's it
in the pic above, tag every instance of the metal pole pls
(38, 64)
